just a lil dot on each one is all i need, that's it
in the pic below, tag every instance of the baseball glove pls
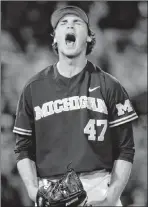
(66, 192)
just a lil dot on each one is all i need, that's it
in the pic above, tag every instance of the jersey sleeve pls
(24, 114)
(120, 108)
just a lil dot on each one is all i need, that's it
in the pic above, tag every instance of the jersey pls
(69, 119)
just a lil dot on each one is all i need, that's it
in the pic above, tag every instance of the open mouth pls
(70, 39)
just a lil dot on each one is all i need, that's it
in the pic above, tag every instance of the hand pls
(32, 192)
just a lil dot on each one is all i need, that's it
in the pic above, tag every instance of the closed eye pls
(63, 22)
(77, 21)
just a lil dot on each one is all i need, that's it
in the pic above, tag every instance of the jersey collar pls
(68, 82)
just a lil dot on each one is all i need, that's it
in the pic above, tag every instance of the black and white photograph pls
(73, 103)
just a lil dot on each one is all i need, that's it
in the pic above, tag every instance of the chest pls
(75, 109)
(50, 98)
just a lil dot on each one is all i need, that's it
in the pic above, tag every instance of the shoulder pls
(43, 74)
(106, 79)
(109, 79)
(40, 76)
(111, 82)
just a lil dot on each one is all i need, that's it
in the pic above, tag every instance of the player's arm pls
(27, 171)
(120, 113)
(119, 179)
(25, 142)
(25, 156)
(123, 152)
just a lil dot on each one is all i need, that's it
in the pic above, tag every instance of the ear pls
(89, 39)
(54, 40)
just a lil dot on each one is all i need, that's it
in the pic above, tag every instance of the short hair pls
(90, 45)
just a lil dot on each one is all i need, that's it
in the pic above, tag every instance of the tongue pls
(69, 43)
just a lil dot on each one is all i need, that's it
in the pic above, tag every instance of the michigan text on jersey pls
(69, 104)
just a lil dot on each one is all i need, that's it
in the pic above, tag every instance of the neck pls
(69, 67)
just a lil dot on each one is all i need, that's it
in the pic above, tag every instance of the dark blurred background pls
(121, 50)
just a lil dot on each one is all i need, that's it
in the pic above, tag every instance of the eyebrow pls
(76, 19)
(64, 20)
(80, 20)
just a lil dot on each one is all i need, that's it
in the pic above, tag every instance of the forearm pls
(27, 171)
(119, 178)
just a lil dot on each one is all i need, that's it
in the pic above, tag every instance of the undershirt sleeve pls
(123, 142)
(25, 147)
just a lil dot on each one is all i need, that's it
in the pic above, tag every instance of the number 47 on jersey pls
(90, 129)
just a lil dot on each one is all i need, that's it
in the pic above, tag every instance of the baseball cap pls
(60, 13)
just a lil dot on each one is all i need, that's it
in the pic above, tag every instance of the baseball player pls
(72, 111)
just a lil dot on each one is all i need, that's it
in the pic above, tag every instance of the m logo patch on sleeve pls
(122, 108)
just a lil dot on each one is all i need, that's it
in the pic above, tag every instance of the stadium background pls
(121, 49)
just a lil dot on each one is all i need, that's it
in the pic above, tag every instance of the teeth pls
(70, 39)
(69, 43)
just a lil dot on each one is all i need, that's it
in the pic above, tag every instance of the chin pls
(71, 54)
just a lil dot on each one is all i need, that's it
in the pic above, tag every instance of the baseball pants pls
(95, 183)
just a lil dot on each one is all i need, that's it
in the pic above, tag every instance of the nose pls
(70, 26)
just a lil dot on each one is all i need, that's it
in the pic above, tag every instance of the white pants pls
(95, 183)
